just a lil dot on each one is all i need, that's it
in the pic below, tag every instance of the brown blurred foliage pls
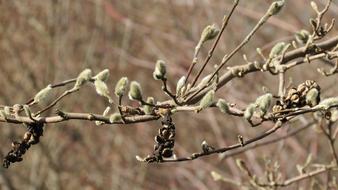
(47, 41)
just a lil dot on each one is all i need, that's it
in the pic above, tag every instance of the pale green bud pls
(83, 77)
(209, 33)
(263, 103)
(277, 50)
(7, 110)
(179, 85)
(327, 103)
(312, 97)
(222, 105)
(105, 113)
(314, 6)
(115, 117)
(149, 109)
(103, 75)
(102, 89)
(302, 36)
(160, 70)
(275, 7)
(249, 111)
(42, 95)
(135, 91)
(334, 115)
(207, 100)
(121, 86)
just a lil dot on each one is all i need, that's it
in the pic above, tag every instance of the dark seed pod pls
(159, 139)
(167, 153)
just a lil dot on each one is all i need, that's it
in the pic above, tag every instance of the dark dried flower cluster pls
(165, 141)
(307, 93)
(31, 137)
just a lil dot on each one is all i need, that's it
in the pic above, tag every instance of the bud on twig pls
(275, 7)
(115, 117)
(263, 103)
(102, 89)
(327, 103)
(147, 108)
(277, 50)
(83, 77)
(135, 91)
(249, 111)
(207, 100)
(103, 75)
(209, 33)
(121, 86)
(302, 36)
(312, 97)
(222, 105)
(160, 70)
(42, 95)
(179, 85)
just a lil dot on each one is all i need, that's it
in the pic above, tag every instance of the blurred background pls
(48, 41)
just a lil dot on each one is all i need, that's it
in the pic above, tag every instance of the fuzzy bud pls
(149, 109)
(209, 33)
(102, 89)
(7, 110)
(207, 100)
(302, 36)
(249, 111)
(263, 103)
(121, 86)
(103, 75)
(179, 85)
(334, 115)
(115, 117)
(275, 7)
(312, 97)
(105, 113)
(314, 6)
(327, 103)
(82, 78)
(135, 91)
(160, 70)
(222, 105)
(277, 50)
(42, 95)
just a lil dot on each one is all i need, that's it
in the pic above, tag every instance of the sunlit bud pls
(7, 110)
(275, 7)
(115, 117)
(103, 75)
(135, 91)
(207, 100)
(312, 97)
(102, 89)
(249, 111)
(222, 106)
(302, 36)
(327, 103)
(160, 70)
(83, 77)
(121, 86)
(277, 50)
(209, 33)
(179, 85)
(263, 103)
(42, 95)
(149, 109)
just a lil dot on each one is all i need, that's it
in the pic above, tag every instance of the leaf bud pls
(135, 91)
(222, 106)
(160, 70)
(121, 86)
(103, 75)
(207, 100)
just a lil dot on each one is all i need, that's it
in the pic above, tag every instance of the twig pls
(211, 51)
(225, 149)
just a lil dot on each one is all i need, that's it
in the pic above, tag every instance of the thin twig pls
(211, 51)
